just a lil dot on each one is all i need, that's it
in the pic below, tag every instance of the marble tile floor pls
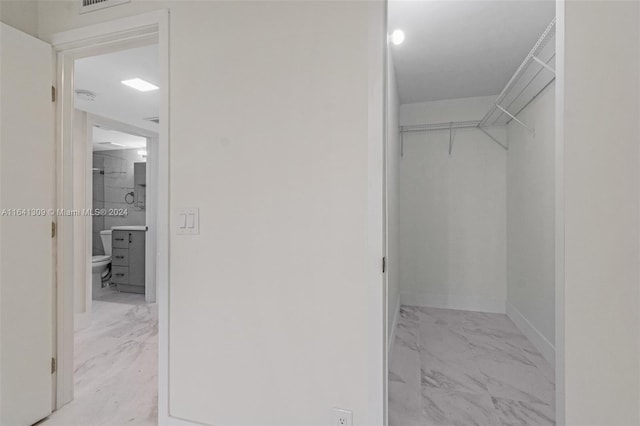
(115, 366)
(464, 368)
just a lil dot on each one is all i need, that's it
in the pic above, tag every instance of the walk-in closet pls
(470, 212)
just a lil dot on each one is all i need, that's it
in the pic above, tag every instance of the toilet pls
(100, 266)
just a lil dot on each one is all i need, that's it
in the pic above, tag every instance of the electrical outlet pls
(342, 417)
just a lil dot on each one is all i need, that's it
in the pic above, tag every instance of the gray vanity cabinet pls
(127, 260)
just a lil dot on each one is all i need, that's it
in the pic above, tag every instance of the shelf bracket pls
(543, 63)
(450, 138)
(493, 138)
(513, 117)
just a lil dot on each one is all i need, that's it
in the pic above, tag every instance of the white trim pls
(542, 344)
(454, 301)
(119, 126)
(151, 220)
(109, 31)
(64, 242)
(88, 221)
(559, 217)
(388, 336)
(376, 351)
(394, 327)
(98, 38)
(162, 235)
(81, 320)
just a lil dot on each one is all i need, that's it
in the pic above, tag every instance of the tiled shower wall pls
(111, 182)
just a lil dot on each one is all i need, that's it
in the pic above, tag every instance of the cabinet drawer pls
(120, 274)
(119, 239)
(120, 257)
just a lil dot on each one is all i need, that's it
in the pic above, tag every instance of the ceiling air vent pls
(91, 5)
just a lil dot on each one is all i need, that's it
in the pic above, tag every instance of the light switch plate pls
(188, 221)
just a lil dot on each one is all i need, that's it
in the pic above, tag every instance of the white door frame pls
(560, 219)
(96, 39)
(560, 340)
(388, 344)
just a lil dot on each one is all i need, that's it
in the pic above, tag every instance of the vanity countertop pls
(129, 228)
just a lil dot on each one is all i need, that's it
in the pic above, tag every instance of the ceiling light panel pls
(140, 84)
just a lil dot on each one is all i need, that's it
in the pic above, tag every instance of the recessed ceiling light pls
(140, 84)
(397, 37)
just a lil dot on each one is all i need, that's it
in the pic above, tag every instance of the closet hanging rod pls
(439, 126)
(450, 127)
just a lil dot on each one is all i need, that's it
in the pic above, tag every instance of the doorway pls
(471, 202)
(115, 126)
(118, 151)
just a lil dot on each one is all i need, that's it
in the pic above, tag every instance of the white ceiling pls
(103, 75)
(459, 49)
(102, 135)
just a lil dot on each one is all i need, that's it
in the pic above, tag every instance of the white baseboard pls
(544, 346)
(454, 301)
(394, 327)
(168, 420)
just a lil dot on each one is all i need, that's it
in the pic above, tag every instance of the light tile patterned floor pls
(460, 368)
(115, 366)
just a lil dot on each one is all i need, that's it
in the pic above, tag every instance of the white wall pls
(276, 309)
(20, 14)
(599, 174)
(81, 277)
(531, 223)
(452, 211)
(393, 198)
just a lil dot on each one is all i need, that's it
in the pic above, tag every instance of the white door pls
(26, 245)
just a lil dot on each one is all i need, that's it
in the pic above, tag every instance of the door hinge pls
(384, 265)
(53, 229)
(53, 94)
(53, 365)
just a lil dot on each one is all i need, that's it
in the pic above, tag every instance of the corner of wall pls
(544, 346)
(20, 14)
(394, 326)
(463, 302)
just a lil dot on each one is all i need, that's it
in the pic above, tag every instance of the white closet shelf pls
(533, 75)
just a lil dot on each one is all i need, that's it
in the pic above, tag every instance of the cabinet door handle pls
(120, 275)
(129, 237)
(119, 239)
(119, 257)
